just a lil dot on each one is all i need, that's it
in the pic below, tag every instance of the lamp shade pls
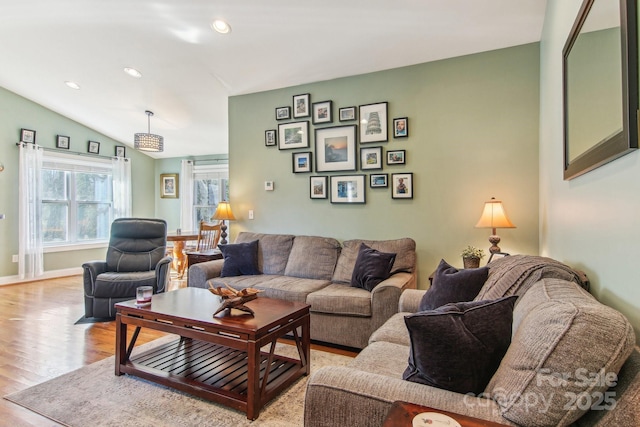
(148, 141)
(223, 212)
(494, 216)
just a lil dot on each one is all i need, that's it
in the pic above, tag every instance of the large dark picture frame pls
(336, 148)
(587, 143)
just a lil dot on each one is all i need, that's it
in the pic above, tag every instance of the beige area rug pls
(95, 396)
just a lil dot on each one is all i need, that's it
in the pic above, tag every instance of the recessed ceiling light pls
(133, 72)
(72, 85)
(221, 26)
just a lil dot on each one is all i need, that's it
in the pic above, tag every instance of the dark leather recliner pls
(135, 257)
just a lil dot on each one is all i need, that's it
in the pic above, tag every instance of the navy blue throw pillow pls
(453, 285)
(371, 268)
(240, 259)
(459, 346)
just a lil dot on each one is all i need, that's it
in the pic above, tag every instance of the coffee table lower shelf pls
(212, 371)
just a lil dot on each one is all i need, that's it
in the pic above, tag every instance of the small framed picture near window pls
(283, 113)
(348, 189)
(373, 123)
(401, 127)
(396, 157)
(28, 135)
(270, 138)
(293, 135)
(121, 151)
(93, 147)
(371, 158)
(336, 148)
(63, 142)
(301, 106)
(302, 162)
(402, 185)
(378, 180)
(322, 112)
(318, 187)
(347, 114)
(169, 185)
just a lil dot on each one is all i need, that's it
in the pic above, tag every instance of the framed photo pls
(348, 189)
(402, 185)
(302, 162)
(336, 148)
(270, 138)
(401, 127)
(28, 135)
(322, 112)
(373, 123)
(169, 185)
(63, 141)
(318, 187)
(121, 151)
(396, 157)
(301, 106)
(93, 147)
(371, 158)
(283, 113)
(293, 135)
(347, 114)
(378, 180)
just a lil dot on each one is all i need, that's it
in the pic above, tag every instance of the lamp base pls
(494, 239)
(223, 234)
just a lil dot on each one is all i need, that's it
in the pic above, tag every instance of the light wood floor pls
(39, 341)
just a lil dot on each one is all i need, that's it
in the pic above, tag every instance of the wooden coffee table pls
(216, 358)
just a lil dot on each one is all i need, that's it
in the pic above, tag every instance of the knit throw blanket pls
(514, 275)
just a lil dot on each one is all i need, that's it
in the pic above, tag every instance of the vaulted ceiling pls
(189, 71)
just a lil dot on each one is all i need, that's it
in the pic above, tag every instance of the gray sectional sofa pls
(568, 353)
(317, 270)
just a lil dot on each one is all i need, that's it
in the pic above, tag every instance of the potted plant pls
(471, 257)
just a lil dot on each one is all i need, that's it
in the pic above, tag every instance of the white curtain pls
(186, 195)
(30, 253)
(121, 187)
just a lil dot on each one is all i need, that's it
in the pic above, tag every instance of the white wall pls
(591, 222)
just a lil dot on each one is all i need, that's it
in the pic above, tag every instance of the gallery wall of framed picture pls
(361, 142)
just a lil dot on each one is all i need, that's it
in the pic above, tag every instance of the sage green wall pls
(473, 134)
(590, 222)
(18, 112)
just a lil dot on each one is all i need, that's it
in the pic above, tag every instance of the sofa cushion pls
(405, 250)
(274, 286)
(240, 259)
(453, 285)
(459, 346)
(273, 250)
(561, 335)
(371, 267)
(394, 330)
(313, 257)
(341, 299)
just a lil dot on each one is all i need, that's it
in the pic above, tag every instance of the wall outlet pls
(14, 258)
(268, 185)
(250, 213)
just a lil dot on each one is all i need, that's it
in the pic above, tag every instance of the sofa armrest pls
(201, 272)
(385, 296)
(338, 395)
(91, 269)
(410, 300)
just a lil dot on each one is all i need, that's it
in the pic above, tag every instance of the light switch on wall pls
(250, 213)
(268, 185)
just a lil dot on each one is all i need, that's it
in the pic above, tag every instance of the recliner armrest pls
(163, 274)
(91, 269)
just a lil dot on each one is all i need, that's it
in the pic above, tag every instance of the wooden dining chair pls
(208, 236)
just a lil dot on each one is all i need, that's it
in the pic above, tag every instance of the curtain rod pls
(61, 150)
(211, 160)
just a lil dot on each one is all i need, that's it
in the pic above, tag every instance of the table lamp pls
(223, 213)
(493, 216)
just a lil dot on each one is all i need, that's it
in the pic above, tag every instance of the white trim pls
(53, 274)
(76, 247)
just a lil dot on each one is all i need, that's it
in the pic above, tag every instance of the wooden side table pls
(401, 414)
(202, 256)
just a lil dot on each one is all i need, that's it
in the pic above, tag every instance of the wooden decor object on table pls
(232, 298)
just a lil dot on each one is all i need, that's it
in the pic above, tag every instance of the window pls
(77, 200)
(210, 186)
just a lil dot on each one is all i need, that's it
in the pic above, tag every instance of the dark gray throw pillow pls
(371, 268)
(240, 259)
(459, 346)
(453, 285)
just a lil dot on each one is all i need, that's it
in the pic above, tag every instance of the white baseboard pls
(11, 280)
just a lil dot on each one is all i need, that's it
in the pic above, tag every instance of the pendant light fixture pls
(148, 141)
